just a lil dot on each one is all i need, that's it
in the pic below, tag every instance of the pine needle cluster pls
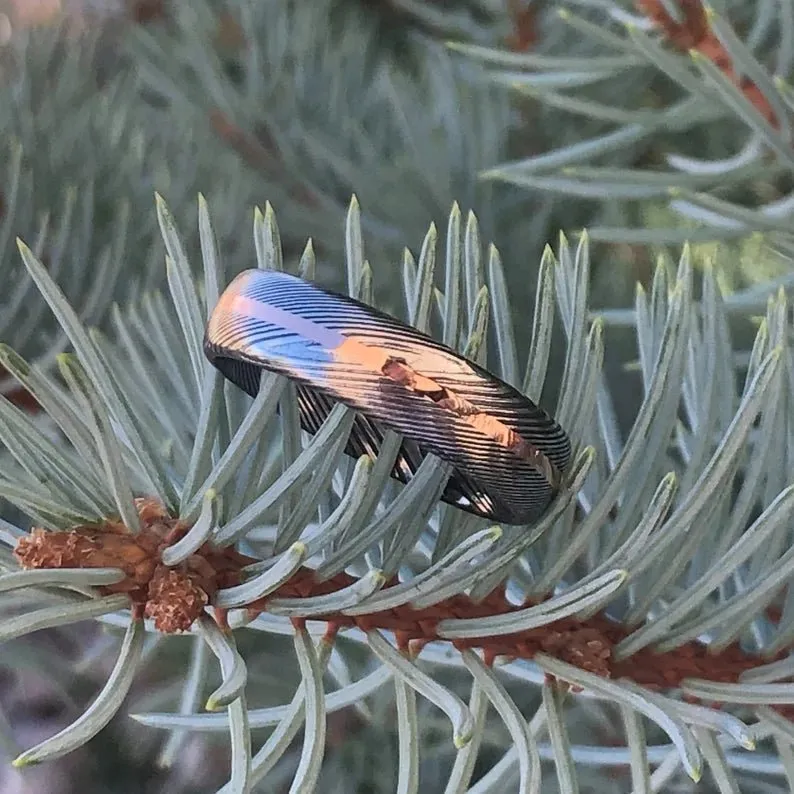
(656, 583)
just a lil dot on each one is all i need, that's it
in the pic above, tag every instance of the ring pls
(507, 454)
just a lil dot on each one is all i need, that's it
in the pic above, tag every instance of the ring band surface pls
(507, 454)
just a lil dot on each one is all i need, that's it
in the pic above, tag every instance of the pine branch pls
(658, 577)
(658, 84)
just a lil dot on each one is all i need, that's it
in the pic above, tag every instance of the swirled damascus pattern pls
(335, 348)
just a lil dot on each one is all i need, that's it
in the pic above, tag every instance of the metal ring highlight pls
(508, 455)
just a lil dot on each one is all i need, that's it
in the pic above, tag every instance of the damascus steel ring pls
(507, 454)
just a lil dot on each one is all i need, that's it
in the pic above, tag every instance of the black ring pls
(508, 455)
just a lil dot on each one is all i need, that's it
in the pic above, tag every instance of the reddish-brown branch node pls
(173, 597)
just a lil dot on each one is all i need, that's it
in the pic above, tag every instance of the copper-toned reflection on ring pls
(399, 370)
(507, 454)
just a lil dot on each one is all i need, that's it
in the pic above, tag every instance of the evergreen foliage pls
(643, 635)
(674, 104)
(621, 553)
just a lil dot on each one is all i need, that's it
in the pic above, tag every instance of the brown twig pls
(261, 153)
(18, 396)
(144, 11)
(694, 33)
(525, 26)
(174, 597)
